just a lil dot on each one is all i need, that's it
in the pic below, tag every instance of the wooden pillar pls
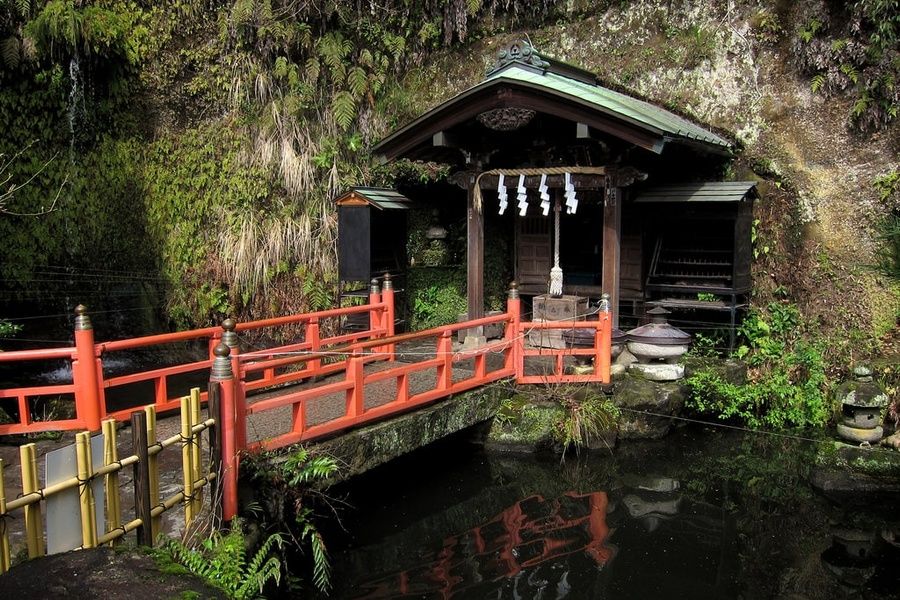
(612, 228)
(474, 256)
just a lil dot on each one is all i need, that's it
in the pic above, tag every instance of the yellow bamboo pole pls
(34, 525)
(153, 466)
(111, 456)
(85, 491)
(196, 447)
(187, 460)
(4, 538)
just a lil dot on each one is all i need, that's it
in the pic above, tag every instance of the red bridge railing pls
(233, 374)
(90, 385)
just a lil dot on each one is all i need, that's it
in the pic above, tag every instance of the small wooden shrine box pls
(371, 233)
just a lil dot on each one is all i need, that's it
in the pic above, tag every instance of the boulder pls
(525, 426)
(852, 475)
(730, 371)
(658, 371)
(636, 395)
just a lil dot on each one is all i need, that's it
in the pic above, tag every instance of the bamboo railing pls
(146, 481)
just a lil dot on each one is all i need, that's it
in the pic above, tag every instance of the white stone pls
(625, 358)
(659, 371)
(647, 352)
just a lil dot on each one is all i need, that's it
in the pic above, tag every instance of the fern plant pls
(222, 561)
(300, 470)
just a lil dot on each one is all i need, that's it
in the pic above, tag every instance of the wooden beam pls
(445, 140)
(474, 256)
(582, 181)
(612, 227)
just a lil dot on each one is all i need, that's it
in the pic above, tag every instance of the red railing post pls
(356, 395)
(312, 337)
(374, 298)
(230, 339)
(86, 373)
(387, 296)
(603, 341)
(445, 352)
(513, 335)
(221, 374)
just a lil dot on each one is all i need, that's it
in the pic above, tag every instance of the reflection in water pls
(692, 516)
(531, 533)
(863, 560)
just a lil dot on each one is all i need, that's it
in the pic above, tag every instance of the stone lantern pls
(862, 402)
(657, 346)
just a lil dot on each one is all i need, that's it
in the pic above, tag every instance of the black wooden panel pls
(743, 250)
(354, 243)
(388, 243)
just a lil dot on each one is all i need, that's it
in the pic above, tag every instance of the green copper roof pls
(638, 112)
(525, 79)
(382, 198)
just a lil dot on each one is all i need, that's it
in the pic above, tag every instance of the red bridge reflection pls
(529, 533)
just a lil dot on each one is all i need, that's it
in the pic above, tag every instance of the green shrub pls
(787, 386)
(437, 296)
(287, 493)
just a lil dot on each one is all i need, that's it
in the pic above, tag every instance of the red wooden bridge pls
(323, 383)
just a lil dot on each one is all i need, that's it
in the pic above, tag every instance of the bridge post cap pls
(513, 290)
(229, 336)
(373, 286)
(82, 320)
(604, 302)
(388, 282)
(221, 364)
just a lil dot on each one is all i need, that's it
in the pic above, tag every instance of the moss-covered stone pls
(646, 405)
(526, 425)
(853, 475)
(366, 448)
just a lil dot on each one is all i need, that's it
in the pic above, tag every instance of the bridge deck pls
(270, 423)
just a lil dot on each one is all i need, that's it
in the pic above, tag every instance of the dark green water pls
(700, 514)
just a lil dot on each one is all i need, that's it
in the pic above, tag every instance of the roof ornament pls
(509, 118)
(518, 52)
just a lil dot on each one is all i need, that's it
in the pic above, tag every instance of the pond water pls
(701, 514)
